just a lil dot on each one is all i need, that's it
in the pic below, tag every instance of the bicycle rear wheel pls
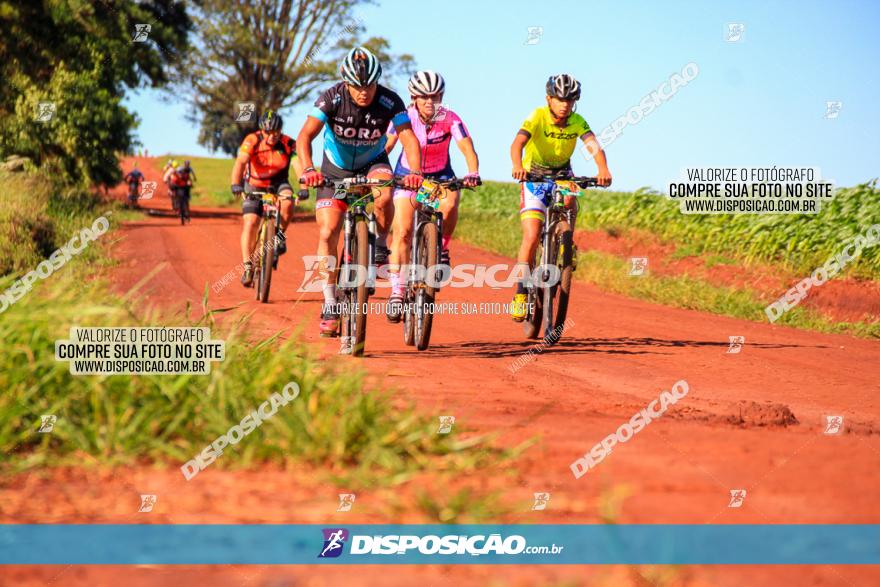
(423, 308)
(409, 322)
(361, 255)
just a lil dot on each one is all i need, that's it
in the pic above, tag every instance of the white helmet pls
(360, 67)
(426, 83)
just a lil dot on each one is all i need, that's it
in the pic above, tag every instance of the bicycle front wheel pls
(267, 259)
(361, 255)
(424, 303)
(556, 295)
(534, 307)
(565, 261)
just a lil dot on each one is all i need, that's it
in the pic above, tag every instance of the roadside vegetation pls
(794, 244)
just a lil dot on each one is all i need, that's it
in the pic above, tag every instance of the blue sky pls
(758, 102)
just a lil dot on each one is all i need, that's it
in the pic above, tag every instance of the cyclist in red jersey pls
(264, 161)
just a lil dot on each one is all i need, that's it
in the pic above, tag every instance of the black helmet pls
(564, 87)
(271, 120)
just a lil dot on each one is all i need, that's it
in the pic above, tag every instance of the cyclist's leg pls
(329, 213)
(449, 207)
(400, 249)
(285, 212)
(533, 206)
(402, 228)
(251, 212)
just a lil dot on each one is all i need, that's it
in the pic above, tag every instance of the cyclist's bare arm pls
(392, 141)
(410, 146)
(304, 139)
(598, 154)
(167, 175)
(516, 151)
(466, 146)
(297, 167)
(238, 168)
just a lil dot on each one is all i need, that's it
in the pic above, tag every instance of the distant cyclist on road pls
(167, 171)
(356, 113)
(264, 161)
(549, 137)
(180, 179)
(133, 178)
(435, 126)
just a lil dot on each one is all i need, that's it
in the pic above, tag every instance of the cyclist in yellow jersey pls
(549, 137)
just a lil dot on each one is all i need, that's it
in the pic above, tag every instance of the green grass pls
(797, 243)
(489, 219)
(352, 431)
(211, 187)
(611, 273)
(37, 217)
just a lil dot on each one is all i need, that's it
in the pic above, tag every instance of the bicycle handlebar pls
(583, 182)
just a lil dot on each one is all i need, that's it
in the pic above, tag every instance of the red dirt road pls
(752, 420)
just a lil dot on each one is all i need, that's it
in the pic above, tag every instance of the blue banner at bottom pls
(172, 544)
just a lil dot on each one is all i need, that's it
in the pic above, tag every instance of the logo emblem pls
(45, 111)
(541, 500)
(833, 425)
(736, 344)
(534, 35)
(346, 500)
(141, 31)
(147, 189)
(735, 32)
(737, 497)
(147, 503)
(446, 423)
(245, 111)
(334, 540)
(832, 109)
(638, 265)
(47, 423)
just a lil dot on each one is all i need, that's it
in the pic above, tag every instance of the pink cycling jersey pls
(433, 138)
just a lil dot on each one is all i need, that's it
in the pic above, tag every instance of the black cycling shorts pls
(334, 173)
(254, 205)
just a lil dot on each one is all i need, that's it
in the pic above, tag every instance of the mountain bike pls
(133, 187)
(419, 294)
(183, 196)
(547, 297)
(356, 278)
(267, 241)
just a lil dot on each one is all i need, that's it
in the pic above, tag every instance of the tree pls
(273, 53)
(80, 57)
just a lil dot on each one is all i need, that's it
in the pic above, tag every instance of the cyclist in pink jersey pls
(435, 126)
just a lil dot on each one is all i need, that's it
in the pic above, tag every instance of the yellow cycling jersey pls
(551, 145)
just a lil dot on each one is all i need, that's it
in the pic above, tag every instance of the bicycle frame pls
(424, 212)
(356, 212)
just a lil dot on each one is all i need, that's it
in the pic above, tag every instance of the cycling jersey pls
(267, 164)
(434, 138)
(180, 177)
(354, 136)
(550, 146)
(134, 176)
